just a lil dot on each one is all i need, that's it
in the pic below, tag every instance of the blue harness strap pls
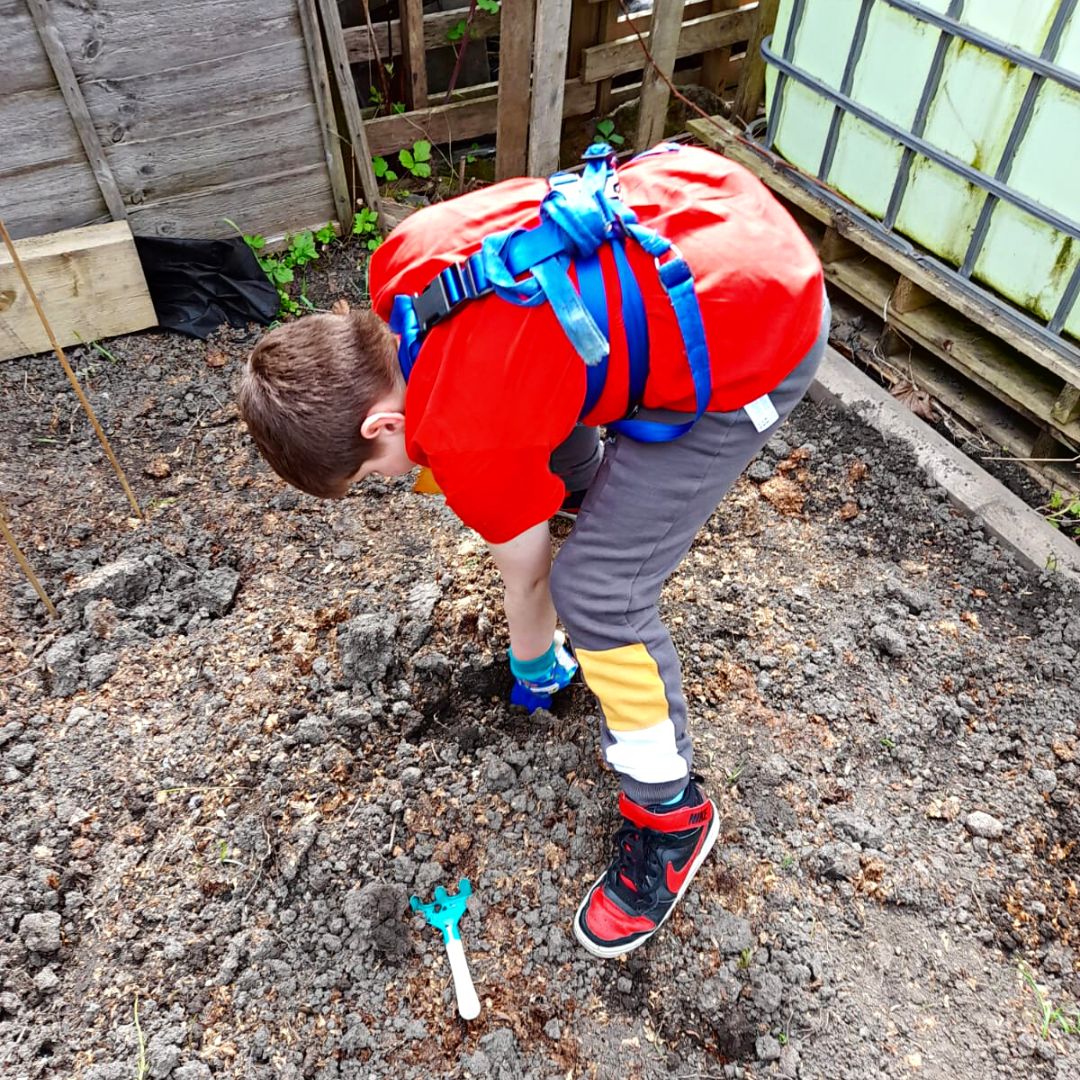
(531, 266)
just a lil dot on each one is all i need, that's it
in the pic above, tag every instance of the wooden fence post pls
(324, 108)
(752, 78)
(413, 54)
(515, 88)
(664, 30)
(354, 120)
(549, 83)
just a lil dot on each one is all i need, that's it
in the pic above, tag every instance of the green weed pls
(1063, 513)
(887, 743)
(366, 226)
(1051, 1019)
(382, 170)
(744, 959)
(605, 129)
(417, 160)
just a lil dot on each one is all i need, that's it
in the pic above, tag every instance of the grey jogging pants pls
(645, 504)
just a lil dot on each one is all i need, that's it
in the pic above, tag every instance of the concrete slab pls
(973, 489)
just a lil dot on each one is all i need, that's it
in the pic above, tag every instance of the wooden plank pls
(515, 89)
(271, 203)
(609, 31)
(35, 131)
(698, 35)
(354, 122)
(80, 115)
(387, 41)
(89, 280)
(907, 296)
(724, 136)
(751, 88)
(1067, 406)
(146, 106)
(25, 65)
(663, 44)
(324, 102)
(834, 247)
(413, 54)
(585, 22)
(63, 193)
(986, 361)
(460, 120)
(716, 63)
(162, 167)
(549, 81)
(478, 115)
(121, 38)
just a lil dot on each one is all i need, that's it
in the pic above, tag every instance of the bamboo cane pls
(69, 373)
(27, 569)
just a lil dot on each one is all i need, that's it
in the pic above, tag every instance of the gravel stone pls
(888, 641)
(985, 825)
(63, 664)
(40, 931)
(767, 1048)
(215, 590)
(124, 581)
(376, 912)
(21, 755)
(366, 647)
(46, 980)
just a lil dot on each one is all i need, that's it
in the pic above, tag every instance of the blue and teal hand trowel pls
(444, 914)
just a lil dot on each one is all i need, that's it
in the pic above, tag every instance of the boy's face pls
(389, 458)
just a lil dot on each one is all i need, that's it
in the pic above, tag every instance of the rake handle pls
(467, 1002)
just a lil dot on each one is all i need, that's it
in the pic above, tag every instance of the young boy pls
(492, 394)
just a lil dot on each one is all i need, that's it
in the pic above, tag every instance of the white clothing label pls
(762, 413)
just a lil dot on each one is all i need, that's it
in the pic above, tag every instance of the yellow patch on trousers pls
(628, 684)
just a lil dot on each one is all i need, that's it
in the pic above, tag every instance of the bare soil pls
(261, 722)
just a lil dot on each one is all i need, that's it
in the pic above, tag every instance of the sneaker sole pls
(607, 952)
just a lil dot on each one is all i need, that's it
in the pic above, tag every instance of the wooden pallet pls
(1038, 386)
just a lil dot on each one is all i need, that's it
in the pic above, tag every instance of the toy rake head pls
(446, 910)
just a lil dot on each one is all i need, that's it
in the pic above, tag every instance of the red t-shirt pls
(497, 387)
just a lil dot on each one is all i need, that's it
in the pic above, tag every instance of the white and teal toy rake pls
(444, 914)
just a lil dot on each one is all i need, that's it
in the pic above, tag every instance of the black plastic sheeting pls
(197, 285)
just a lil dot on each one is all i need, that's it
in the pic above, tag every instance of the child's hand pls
(533, 694)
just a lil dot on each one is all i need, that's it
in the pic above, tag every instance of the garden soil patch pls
(261, 722)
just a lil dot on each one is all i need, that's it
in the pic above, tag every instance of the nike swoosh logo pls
(675, 879)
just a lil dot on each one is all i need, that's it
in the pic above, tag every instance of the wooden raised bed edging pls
(89, 278)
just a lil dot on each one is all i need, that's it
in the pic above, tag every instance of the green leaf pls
(256, 242)
(325, 235)
(422, 150)
(373, 243)
(1073, 509)
(605, 127)
(302, 249)
(398, 107)
(456, 32)
(406, 159)
(421, 169)
(1057, 500)
(281, 274)
(490, 6)
(616, 140)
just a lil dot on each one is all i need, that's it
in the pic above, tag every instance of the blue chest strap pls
(527, 267)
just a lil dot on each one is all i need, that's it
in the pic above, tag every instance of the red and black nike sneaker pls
(658, 851)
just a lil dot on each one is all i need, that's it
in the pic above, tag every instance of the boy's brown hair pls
(306, 390)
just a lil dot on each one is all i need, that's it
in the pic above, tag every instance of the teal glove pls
(537, 681)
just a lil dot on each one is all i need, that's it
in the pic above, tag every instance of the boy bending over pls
(527, 315)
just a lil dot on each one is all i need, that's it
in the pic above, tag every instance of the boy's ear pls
(391, 423)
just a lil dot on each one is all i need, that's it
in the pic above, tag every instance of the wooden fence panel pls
(515, 89)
